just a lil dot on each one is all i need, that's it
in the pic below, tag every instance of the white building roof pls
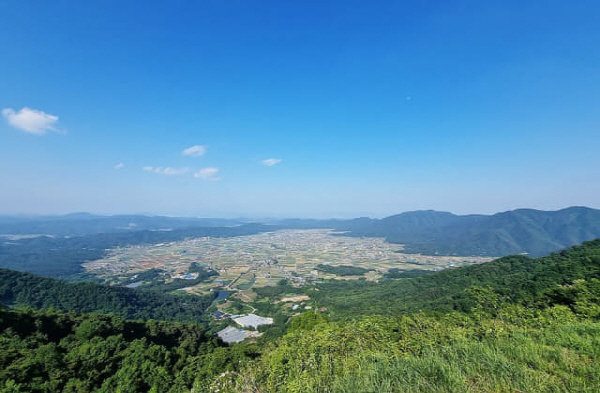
(253, 320)
(232, 335)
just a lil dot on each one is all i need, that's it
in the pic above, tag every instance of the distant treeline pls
(81, 224)
(401, 273)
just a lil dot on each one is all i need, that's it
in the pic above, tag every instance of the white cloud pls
(166, 170)
(207, 174)
(31, 121)
(120, 165)
(195, 151)
(271, 161)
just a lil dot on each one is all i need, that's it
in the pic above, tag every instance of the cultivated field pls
(258, 260)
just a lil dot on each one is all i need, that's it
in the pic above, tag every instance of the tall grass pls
(450, 355)
(520, 363)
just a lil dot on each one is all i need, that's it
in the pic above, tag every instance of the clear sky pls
(298, 108)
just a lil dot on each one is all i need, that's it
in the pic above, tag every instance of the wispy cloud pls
(271, 161)
(195, 151)
(31, 121)
(207, 174)
(166, 170)
(120, 165)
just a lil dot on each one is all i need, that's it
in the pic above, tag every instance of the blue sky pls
(363, 108)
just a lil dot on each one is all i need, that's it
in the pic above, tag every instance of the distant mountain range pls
(530, 231)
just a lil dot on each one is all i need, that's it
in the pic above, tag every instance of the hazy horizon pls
(295, 109)
(270, 217)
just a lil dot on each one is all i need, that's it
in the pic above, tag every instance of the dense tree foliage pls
(544, 337)
(25, 289)
(164, 283)
(283, 287)
(400, 273)
(49, 351)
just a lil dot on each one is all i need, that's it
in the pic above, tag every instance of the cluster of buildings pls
(233, 334)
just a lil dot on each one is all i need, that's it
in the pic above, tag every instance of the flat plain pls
(264, 259)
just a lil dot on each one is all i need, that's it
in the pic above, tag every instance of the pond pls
(222, 295)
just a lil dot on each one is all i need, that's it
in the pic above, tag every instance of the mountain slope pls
(516, 278)
(24, 289)
(534, 232)
(55, 352)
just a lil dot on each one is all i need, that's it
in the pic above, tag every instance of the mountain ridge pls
(535, 232)
(430, 232)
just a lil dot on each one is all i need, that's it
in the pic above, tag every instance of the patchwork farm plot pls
(244, 262)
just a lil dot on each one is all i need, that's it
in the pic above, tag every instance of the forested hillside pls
(53, 352)
(502, 348)
(24, 289)
(529, 231)
(516, 279)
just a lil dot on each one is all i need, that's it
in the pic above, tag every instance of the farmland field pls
(264, 259)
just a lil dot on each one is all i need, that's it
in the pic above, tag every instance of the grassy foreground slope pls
(553, 350)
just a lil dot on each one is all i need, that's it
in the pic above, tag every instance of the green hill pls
(24, 289)
(517, 278)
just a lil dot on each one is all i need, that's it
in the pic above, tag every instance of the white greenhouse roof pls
(232, 335)
(253, 320)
